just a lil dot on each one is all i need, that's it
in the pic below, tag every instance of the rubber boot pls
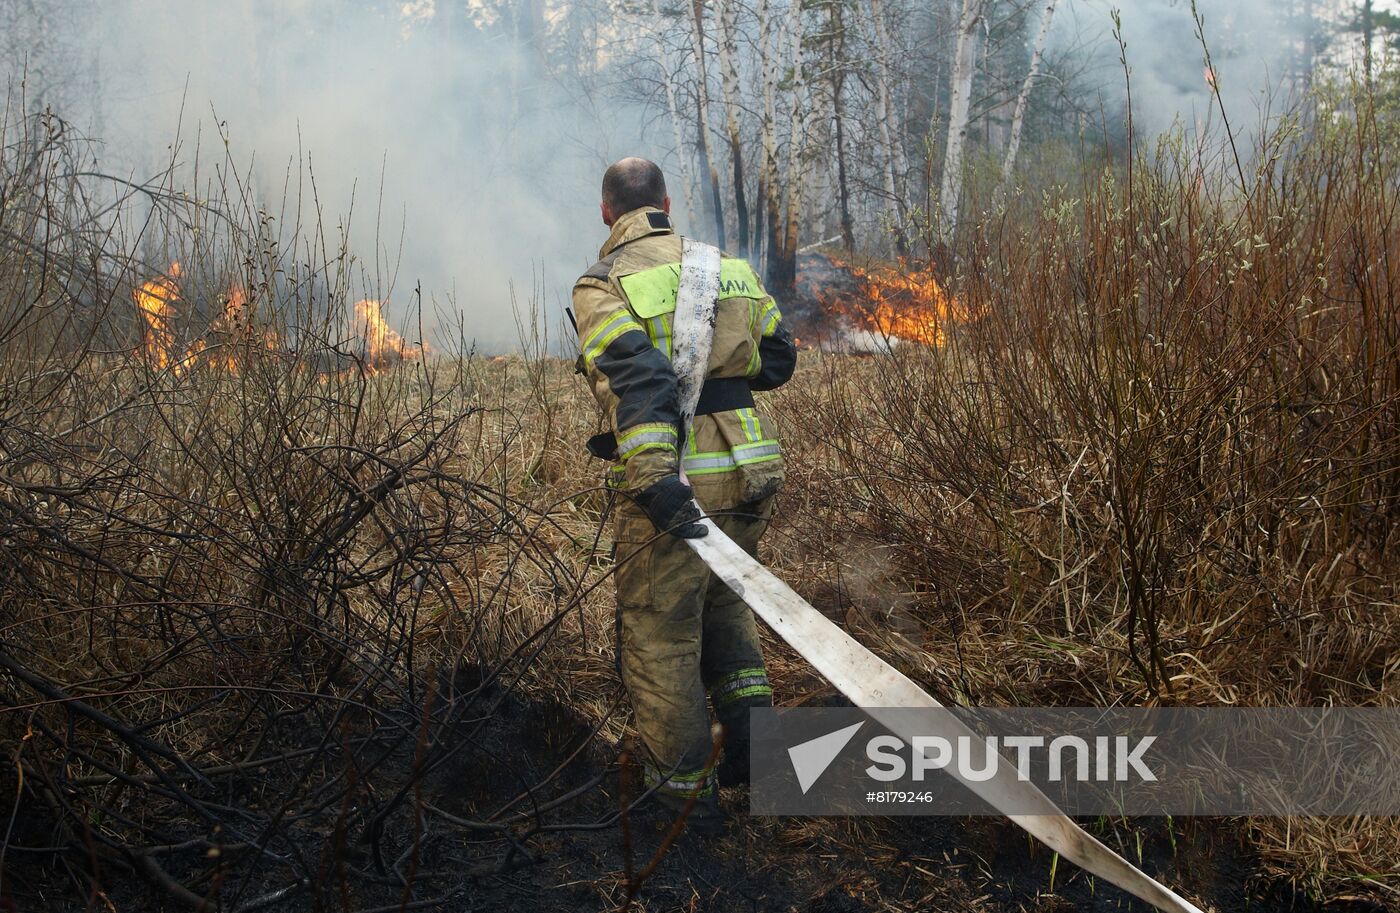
(706, 818)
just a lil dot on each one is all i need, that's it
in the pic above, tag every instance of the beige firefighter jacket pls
(624, 306)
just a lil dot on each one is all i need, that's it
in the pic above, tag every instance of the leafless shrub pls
(1159, 459)
(256, 571)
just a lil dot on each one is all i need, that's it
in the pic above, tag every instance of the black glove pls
(670, 506)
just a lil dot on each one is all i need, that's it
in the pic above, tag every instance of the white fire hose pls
(871, 683)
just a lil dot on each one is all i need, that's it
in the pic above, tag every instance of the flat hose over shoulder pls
(693, 327)
(871, 683)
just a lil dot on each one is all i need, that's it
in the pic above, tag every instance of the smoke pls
(473, 168)
(473, 156)
(1255, 46)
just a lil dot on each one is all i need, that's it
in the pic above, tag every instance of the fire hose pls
(868, 681)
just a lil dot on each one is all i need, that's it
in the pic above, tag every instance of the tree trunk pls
(729, 88)
(702, 121)
(663, 60)
(895, 165)
(782, 261)
(1368, 35)
(836, 67)
(964, 64)
(768, 195)
(1018, 120)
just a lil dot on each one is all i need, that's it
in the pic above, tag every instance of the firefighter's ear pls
(607, 214)
(666, 205)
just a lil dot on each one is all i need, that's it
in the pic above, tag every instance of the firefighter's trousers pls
(686, 636)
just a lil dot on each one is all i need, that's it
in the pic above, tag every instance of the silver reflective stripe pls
(682, 784)
(739, 684)
(739, 456)
(752, 453)
(637, 441)
(718, 461)
(660, 334)
(749, 419)
(598, 341)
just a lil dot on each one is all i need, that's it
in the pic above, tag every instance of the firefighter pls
(685, 636)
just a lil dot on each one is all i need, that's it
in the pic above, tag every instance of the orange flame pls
(231, 334)
(903, 303)
(383, 345)
(156, 301)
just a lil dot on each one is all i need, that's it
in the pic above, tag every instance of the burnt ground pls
(820, 280)
(572, 858)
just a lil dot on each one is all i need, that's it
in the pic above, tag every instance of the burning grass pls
(224, 340)
(875, 306)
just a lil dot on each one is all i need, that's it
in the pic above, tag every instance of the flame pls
(156, 302)
(233, 333)
(383, 345)
(895, 302)
(234, 306)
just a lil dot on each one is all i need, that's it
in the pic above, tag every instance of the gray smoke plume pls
(1256, 47)
(474, 132)
(489, 163)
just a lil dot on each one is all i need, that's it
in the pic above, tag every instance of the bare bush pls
(1157, 461)
(257, 574)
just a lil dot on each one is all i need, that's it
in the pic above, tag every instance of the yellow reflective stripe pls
(699, 464)
(698, 783)
(740, 684)
(770, 316)
(654, 436)
(754, 363)
(749, 420)
(741, 693)
(756, 453)
(730, 678)
(710, 462)
(601, 338)
(659, 329)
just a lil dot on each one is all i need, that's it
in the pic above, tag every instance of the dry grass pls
(1159, 464)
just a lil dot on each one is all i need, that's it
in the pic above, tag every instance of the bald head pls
(631, 184)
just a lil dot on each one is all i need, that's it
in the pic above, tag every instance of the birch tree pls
(677, 129)
(782, 262)
(729, 90)
(836, 73)
(702, 119)
(1018, 120)
(964, 65)
(770, 198)
(895, 167)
